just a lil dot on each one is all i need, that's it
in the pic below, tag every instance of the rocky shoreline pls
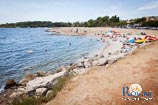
(117, 46)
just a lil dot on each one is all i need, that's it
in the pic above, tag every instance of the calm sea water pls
(24, 50)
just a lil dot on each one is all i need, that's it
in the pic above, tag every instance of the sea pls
(29, 50)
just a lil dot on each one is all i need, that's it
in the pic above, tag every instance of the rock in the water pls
(40, 74)
(42, 82)
(41, 91)
(10, 83)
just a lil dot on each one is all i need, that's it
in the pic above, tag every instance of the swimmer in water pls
(70, 44)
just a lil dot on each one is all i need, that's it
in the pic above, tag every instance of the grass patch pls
(42, 99)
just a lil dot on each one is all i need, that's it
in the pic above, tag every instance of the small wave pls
(29, 51)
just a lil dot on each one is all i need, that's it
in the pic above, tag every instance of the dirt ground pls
(103, 85)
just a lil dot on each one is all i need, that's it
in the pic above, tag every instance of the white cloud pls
(149, 6)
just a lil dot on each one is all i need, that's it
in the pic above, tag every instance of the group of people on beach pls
(139, 39)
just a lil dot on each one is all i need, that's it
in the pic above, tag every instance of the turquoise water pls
(24, 50)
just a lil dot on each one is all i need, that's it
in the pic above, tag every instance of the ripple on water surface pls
(31, 49)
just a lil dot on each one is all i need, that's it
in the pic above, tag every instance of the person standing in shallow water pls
(70, 44)
(77, 30)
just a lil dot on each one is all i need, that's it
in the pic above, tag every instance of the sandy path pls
(102, 86)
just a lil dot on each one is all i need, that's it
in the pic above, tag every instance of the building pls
(151, 18)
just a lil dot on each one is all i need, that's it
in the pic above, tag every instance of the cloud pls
(149, 6)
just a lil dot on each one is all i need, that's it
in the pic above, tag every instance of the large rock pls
(95, 62)
(10, 83)
(80, 71)
(41, 91)
(21, 89)
(16, 94)
(73, 66)
(48, 93)
(62, 68)
(81, 64)
(114, 58)
(26, 79)
(111, 61)
(43, 82)
(41, 74)
(88, 63)
(102, 62)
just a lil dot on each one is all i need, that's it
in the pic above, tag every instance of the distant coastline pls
(106, 21)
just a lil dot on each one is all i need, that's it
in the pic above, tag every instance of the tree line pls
(36, 24)
(105, 21)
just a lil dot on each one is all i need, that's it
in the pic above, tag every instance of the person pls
(70, 44)
(142, 32)
(77, 30)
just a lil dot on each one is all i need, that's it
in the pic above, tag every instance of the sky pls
(73, 10)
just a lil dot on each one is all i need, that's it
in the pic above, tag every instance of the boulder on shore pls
(41, 91)
(26, 79)
(43, 82)
(102, 62)
(81, 64)
(10, 83)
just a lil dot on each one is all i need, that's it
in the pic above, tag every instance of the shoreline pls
(102, 85)
(118, 47)
(98, 30)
